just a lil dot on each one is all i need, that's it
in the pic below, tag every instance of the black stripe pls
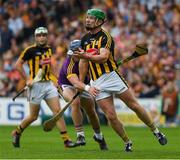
(122, 78)
(110, 65)
(49, 74)
(102, 68)
(46, 68)
(95, 70)
(33, 66)
(64, 132)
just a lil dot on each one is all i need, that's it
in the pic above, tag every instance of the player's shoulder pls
(49, 47)
(86, 36)
(30, 48)
(105, 33)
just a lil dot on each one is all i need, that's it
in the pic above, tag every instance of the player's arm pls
(83, 69)
(74, 80)
(99, 56)
(19, 66)
(102, 57)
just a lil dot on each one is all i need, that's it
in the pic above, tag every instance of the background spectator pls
(129, 21)
(170, 103)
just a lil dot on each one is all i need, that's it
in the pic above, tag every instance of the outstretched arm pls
(74, 80)
(100, 56)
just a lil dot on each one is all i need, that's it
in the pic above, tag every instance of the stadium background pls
(129, 21)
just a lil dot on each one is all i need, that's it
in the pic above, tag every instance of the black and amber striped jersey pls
(102, 39)
(38, 57)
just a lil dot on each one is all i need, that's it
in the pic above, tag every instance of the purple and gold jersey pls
(69, 68)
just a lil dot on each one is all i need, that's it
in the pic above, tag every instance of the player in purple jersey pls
(69, 81)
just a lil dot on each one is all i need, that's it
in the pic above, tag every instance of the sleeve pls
(25, 55)
(72, 69)
(106, 41)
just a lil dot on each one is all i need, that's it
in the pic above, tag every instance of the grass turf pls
(36, 144)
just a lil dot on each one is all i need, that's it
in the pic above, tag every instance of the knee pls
(111, 116)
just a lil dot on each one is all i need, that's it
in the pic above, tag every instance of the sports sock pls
(19, 129)
(65, 136)
(154, 128)
(98, 135)
(125, 138)
(79, 130)
(128, 142)
(80, 134)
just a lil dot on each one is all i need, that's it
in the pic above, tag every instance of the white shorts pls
(41, 90)
(83, 94)
(109, 84)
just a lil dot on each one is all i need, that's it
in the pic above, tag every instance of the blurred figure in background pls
(170, 103)
(6, 38)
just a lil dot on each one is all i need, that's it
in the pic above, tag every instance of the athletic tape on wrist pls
(87, 87)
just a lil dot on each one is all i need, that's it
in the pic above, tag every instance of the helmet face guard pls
(74, 45)
(41, 31)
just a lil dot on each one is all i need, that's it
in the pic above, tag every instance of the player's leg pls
(89, 106)
(77, 116)
(107, 106)
(34, 98)
(54, 105)
(52, 100)
(128, 98)
(33, 115)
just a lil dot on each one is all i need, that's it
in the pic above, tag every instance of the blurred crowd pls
(156, 22)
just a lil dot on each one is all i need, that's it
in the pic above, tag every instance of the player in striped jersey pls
(104, 76)
(38, 56)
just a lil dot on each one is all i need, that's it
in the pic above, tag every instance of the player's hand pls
(94, 91)
(80, 53)
(29, 83)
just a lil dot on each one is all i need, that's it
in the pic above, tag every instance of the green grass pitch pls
(36, 144)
